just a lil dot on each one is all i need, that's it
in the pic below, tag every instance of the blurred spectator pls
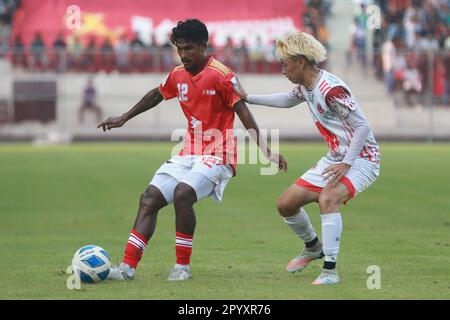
(393, 62)
(107, 58)
(39, 59)
(379, 37)
(359, 37)
(5, 32)
(257, 56)
(314, 19)
(59, 43)
(75, 51)
(168, 60)
(227, 56)
(19, 55)
(439, 80)
(431, 42)
(90, 57)
(59, 54)
(412, 82)
(271, 57)
(420, 42)
(271, 52)
(446, 61)
(322, 6)
(7, 8)
(137, 53)
(123, 54)
(242, 57)
(89, 102)
(153, 56)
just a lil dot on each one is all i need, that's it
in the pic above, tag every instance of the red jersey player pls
(203, 168)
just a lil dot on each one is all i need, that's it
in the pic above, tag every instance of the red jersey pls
(207, 100)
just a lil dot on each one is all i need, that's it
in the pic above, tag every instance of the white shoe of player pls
(327, 277)
(180, 273)
(121, 272)
(301, 261)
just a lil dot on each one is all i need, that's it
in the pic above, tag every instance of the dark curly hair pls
(190, 30)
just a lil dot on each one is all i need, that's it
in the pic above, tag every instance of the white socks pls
(331, 235)
(300, 224)
(331, 231)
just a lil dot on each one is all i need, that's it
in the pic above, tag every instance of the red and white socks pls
(134, 249)
(137, 244)
(183, 248)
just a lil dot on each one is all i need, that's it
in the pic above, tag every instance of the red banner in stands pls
(154, 19)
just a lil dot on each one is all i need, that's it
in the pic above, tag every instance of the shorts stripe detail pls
(344, 180)
(351, 189)
(309, 186)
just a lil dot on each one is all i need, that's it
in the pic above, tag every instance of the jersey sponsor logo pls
(209, 92)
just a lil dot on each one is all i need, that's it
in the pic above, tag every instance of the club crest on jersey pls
(320, 109)
(209, 92)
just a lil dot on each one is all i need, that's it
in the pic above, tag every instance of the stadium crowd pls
(7, 8)
(411, 48)
(134, 54)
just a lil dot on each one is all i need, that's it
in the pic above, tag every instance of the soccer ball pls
(91, 264)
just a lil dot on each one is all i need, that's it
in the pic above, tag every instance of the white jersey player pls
(351, 165)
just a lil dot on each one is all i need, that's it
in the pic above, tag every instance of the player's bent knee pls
(328, 201)
(184, 195)
(285, 207)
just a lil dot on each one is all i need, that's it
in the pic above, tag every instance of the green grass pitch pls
(55, 199)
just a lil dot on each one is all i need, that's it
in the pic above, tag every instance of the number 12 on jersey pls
(182, 91)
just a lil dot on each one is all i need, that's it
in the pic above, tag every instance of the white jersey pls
(330, 102)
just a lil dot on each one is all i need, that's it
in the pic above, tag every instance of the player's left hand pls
(334, 173)
(279, 160)
(239, 89)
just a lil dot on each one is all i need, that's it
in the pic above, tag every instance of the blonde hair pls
(301, 44)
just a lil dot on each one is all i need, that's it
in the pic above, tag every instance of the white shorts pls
(360, 176)
(204, 174)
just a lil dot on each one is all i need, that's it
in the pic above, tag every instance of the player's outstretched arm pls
(250, 124)
(150, 100)
(275, 100)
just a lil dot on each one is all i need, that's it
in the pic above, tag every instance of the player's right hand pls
(112, 122)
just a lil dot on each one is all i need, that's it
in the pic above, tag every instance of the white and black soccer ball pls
(91, 264)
